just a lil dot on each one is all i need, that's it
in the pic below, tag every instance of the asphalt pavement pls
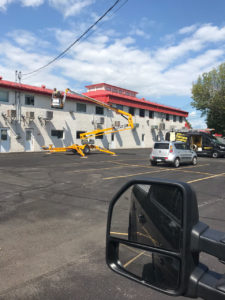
(53, 211)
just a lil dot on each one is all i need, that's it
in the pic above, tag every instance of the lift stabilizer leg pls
(103, 150)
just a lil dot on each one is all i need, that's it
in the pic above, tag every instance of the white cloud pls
(70, 7)
(193, 113)
(66, 7)
(32, 3)
(119, 61)
(187, 29)
(27, 39)
(4, 4)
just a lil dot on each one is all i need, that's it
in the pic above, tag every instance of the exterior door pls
(112, 141)
(29, 140)
(143, 140)
(5, 140)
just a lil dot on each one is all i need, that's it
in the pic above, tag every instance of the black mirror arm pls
(208, 240)
(206, 284)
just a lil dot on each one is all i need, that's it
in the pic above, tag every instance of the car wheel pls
(86, 150)
(215, 154)
(194, 161)
(176, 163)
(153, 163)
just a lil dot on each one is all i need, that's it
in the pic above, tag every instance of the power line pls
(76, 41)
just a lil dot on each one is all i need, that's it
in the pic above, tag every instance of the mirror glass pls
(156, 269)
(150, 215)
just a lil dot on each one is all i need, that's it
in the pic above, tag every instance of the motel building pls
(27, 121)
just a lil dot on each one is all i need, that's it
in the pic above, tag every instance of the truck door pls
(207, 145)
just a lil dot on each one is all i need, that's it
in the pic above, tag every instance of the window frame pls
(29, 97)
(78, 132)
(58, 136)
(140, 114)
(151, 114)
(7, 96)
(101, 108)
(81, 104)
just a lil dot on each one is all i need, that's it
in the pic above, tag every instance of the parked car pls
(173, 153)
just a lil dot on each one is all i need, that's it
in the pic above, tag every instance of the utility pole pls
(18, 76)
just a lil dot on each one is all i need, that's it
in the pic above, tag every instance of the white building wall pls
(71, 121)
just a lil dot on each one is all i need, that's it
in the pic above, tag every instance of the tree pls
(208, 95)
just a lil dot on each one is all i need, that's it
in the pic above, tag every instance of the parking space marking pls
(130, 175)
(118, 233)
(157, 171)
(205, 178)
(133, 259)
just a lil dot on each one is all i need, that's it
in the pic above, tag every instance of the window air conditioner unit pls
(11, 113)
(136, 125)
(48, 115)
(30, 115)
(162, 126)
(116, 124)
(101, 120)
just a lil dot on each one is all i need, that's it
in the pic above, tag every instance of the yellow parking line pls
(130, 175)
(205, 178)
(133, 259)
(119, 233)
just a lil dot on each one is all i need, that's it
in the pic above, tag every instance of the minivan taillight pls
(171, 149)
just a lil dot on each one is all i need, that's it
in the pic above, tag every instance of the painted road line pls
(99, 169)
(130, 175)
(133, 259)
(205, 178)
(119, 233)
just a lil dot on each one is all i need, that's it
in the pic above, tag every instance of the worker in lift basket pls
(56, 93)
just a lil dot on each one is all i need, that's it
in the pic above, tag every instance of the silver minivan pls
(173, 153)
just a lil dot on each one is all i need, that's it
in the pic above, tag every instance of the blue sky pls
(155, 47)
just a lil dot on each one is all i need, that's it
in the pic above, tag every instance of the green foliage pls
(208, 95)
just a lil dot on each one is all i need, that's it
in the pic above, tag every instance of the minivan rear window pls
(161, 146)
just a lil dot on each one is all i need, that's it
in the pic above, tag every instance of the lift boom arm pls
(99, 132)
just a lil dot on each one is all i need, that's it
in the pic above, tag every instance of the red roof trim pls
(104, 96)
(107, 96)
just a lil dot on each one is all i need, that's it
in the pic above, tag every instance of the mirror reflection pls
(151, 215)
(156, 269)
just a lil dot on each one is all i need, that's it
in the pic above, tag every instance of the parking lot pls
(53, 221)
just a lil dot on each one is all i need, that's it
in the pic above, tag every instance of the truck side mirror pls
(154, 237)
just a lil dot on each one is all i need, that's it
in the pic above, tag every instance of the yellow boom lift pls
(87, 144)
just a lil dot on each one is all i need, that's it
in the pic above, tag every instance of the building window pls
(57, 133)
(180, 119)
(174, 118)
(79, 133)
(81, 107)
(132, 111)
(99, 110)
(29, 100)
(151, 114)
(142, 113)
(167, 117)
(4, 96)
(119, 106)
(99, 137)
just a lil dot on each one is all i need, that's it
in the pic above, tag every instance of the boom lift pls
(87, 143)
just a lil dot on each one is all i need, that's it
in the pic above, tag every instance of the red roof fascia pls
(33, 89)
(107, 96)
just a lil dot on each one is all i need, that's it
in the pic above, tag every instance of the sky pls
(157, 48)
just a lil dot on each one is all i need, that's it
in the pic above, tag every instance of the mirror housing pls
(186, 258)
(192, 279)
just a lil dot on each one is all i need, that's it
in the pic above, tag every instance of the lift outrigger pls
(58, 101)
